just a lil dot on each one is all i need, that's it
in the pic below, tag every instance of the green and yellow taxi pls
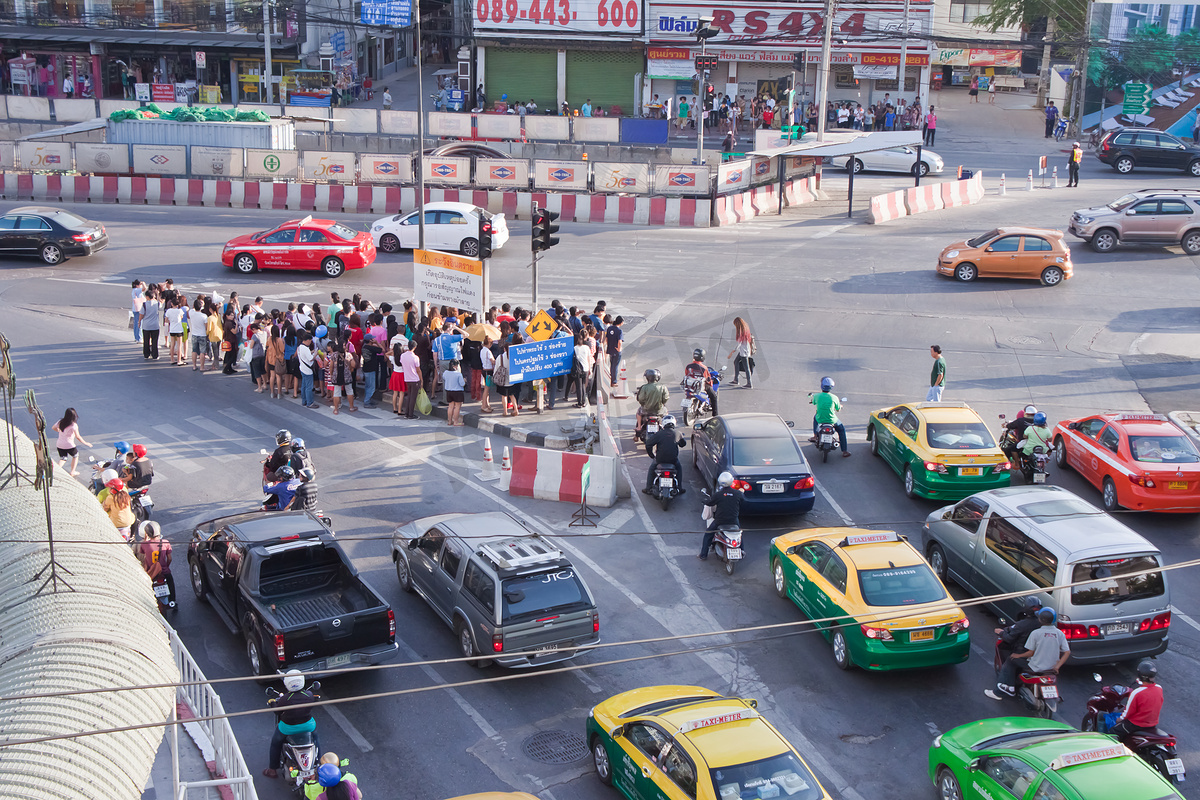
(691, 743)
(1039, 759)
(943, 451)
(873, 597)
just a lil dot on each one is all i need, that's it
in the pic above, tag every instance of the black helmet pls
(284, 436)
(698, 354)
(1031, 602)
(297, 444)
(652, 375)
(1047, 616)
(285, 473)
(1146, 671)
(308, 474)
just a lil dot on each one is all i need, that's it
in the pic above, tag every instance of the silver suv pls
(1149, 216)
(510, 595)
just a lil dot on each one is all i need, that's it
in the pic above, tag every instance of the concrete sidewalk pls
(196, 761)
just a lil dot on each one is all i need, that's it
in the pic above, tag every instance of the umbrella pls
(479, 330)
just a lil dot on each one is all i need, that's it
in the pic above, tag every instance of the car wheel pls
(332, 267)
(920, 169)
(780, 580)
(873, 438)
(1052, 276)
(841, 651)
(600, 761)
(1193, 168)
(403, 574)
(966, 272)
(1111, 503)
(199, 587)
(469, 248)
(51, 253)
(245, 263)
(1105, 240)
(1191, 243)
(937, 561)
(1123, 165)
(389, 243)
(1088, 725)
(466, 645)
(910, 484)
(947, 785)
(254, 654)
(1060, 452)
(854, 164)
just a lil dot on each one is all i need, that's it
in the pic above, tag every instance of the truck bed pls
(310, 608)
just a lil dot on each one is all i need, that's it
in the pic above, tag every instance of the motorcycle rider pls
(283, 451)
(726, 504)
(306, 492)
(1018, 426)
(313, 787)
(652, 398)
(289, 721)
(299, 459)
(283, 489)
(335, 785)
(1017, 634)
(697, 371)
(827, 407)
(155, 554)
(1143, 705)
(663, 448)
(138, 472)
(1046, 650)
(1035, 435)
(117, 463)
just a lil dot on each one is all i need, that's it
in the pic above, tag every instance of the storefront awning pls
(163, 37)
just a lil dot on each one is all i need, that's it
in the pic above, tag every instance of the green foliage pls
(1071, 15)
(1148, 52)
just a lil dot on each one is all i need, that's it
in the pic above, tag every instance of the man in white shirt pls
(304, 354)
(301, 317)
(139, 298)
(198, 331)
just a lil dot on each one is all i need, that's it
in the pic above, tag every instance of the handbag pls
(500, 372)
(226, 346)
(423, 404)
(131, 320)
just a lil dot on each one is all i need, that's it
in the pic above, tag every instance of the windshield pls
(1121, 583)
(900, 586)
(1051, 510)
(753, 780)
(979, 240)
(959, 436)
(531, 595)
(1163, 449)
(338, 229)
(765, 453)
(67, 219)
(1122, 201)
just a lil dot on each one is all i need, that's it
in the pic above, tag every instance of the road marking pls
(1185, 618)
(587, 681)
(309, 422)
(162, 453)
(829, 499)
(230, 437)
(615, 520)
(458, 699)
(933, 729)
(349, 729)
(979, 651)
(829, 231)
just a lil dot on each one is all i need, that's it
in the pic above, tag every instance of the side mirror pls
(1002, 417)
(412, 544)
(974, 764)
(697, 426)
(1074, 426)
(615, 732)
(327, 522)
(753, 703)
(791, 424)
(988, 250)
(845, 399)
(262, 452)
(1096, 677)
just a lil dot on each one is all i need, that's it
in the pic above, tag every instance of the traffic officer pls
(1075, 159)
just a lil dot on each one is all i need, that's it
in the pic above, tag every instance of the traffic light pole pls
(535, 281)
(421, 154)
(700, 101)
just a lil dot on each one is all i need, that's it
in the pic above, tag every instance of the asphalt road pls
(856, 302)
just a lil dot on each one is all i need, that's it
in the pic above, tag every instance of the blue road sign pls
(394, 13)
(337, 40)
(532, 361)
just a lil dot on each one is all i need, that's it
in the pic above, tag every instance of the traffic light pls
(485, 239)
(798, 60)
(543, 227)
(706, 63)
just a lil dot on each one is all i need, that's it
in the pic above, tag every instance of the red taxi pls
(305, 243)
(1138, 461)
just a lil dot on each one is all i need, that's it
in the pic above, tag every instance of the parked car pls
(893, 159)
(510, 595)
(1125, 149)
(284, 583)
(51, 234)
(1030, 253)
(1024, 540)
(1150, 216)
(301, 244)
(448, 226)
(760, 451)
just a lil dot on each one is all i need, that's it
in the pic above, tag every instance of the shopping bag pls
(423, 404)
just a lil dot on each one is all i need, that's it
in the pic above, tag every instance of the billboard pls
(552, 18)
(448, 280)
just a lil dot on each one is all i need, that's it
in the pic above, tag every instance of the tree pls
(1064, 18)
(1150, 51)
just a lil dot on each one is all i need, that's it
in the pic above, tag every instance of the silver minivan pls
(1027, 539)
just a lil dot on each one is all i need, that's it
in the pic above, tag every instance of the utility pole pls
(1044, 67)
(823, 73)
(1083, 68)
(902, 72)
(267, 88)
(421, 148)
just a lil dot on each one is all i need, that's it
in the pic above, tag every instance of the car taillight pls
(1159, 623)
(741, 485)
(959, 625)
(933, 466)
(1003, 466)
(391, 625)
(81, 237)
(1075, 631)
(882, 634)
(806, 482)
(595, 622)
(1104, 147)
(497, 643)
(1142, 480)
(280, 654)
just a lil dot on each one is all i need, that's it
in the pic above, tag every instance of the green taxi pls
(1039, 759)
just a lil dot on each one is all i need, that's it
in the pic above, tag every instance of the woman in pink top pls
(68, 434)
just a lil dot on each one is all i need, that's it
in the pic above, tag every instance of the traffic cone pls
(1029, 186)
(505, 472)
(1002, 191)
(622, 390)
(1054, 177)
(489, 473)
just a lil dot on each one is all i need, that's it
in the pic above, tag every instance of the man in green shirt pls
(652, 399)
(937, 378)
(827, 407)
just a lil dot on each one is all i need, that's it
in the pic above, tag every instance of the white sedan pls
(893, 159)
(448, 227)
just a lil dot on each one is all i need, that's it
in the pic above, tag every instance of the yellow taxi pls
(498, 796)
(884, 608)
(691, 743)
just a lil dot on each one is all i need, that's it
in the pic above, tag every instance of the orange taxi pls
(305, 243)
(1138, 461)
(1030, 253)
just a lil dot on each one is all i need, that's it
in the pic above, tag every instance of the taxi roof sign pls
(1090, 756)
(872, 537)
(306, 220)
(720, 719)
(1140, 418)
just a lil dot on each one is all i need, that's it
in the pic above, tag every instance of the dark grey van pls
(1026, 539)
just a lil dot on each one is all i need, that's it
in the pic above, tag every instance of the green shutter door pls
(605, 77)
(523, 75)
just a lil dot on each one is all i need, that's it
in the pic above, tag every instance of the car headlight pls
(1086, 220)
(937, 740)
(952, 254)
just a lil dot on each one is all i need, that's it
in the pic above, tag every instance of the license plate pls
(652, 428)
(1049, 692)
(1115, 628)
(146, 501)
(733, 553)
(550, 648)
(1178, 485)
(1174, 766)
(970, 470)
(338, 661)
(773, 488)
(1039, 477)
(923, 635)
(162, 590)
(826, 438)
(665, 482)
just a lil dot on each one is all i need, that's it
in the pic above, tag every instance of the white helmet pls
(725, 479)
(668, 421)
(1030, 410)
(108, 475)
(151, 529)
(293, 680)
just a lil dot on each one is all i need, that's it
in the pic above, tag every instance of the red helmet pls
(116, 484)
(139, 450)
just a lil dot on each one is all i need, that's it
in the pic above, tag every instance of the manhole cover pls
(555, 747)
(1025, 340)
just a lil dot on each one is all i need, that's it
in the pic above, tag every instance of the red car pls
(1138, 461)
(301, 244)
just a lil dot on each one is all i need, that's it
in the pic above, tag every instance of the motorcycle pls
(1008, 440)
(1157, 749)
(827, 436)
(164, 593)
(727, 542)
(665, 485)
(299, 751)
(1037, 691)
(650, 426)
(695, 399)
(1060, 129)
(141, 502)
(1033, 466)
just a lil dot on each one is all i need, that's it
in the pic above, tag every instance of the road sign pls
(337, 40)
(541, 327)
(448, 280)
(394, 13)
(201, 59)
(1137, 98)
(532, 361)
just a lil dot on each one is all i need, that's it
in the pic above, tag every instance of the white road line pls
(258, 424)
(979, 651)
(829, 499)
(587, 681)
(615, 520)
(1180, 615)
(458, 699)
(306, 422)
(829, 231)
(158, 452)
(231, 437)
(349, 729)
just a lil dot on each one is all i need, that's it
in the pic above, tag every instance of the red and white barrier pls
(975, 190)
(886, 207)
(557, 475)
(920, 199)
(954, 194)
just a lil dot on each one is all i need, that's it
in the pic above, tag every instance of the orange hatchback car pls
(1032, 253)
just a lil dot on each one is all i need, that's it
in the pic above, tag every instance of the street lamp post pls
(823, 75)
(267, 89)
(704, 32)
(420, 146)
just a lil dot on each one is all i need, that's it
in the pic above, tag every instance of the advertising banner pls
(318, 166)
(555, 18)
(141, 91)
(444, 123)
(272, 164)
(671, 68)
(951, 56)
(448, 280)
(763, 170)
(534, 360)
(618, 177)
(994, 58)
(733, 176)
(160, 159)
(217, 162)
(385, 169)
(680, 179)
(398, 123)
(560, 175)
(498, 126)
(8, 155)
(97, 157)
(450, 169)
(597, 129)
(162, 92)
(780, 23)
(44, 156)
(548, 129)
(507, 172)
(799, 166)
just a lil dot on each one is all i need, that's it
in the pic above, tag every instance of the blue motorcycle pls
(695, 399)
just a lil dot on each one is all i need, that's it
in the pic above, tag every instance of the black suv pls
(1126, 148)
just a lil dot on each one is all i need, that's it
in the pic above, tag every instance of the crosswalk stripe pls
(226, 438)
(259, 425)
(158, 453)
(305, 423)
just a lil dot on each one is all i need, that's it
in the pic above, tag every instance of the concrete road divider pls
(925, 198)
(920, 199)
(555, 475)
(887, 207)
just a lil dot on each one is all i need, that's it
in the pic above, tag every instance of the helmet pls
(139, 450)
(826, 383)
(330, 758)
(668, 421)
(329, 775)
(116, 485)
(293, 680)
(151, 529)
(297, 444)
(308, 474)
(652, 375)
(284, 436)
(1039, 418)
(108, 475)
(1032, 601)
(725, 479)
(123, 447)
(285, 473)
(698, 354)
(1047, 616)
(1146, 671)
(1030, 410)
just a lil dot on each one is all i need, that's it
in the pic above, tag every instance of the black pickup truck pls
(282, 581)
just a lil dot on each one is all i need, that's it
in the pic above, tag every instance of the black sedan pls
(52, 234)
(760, 451)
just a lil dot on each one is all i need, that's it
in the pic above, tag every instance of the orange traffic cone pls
(489, 473)
(505, 472)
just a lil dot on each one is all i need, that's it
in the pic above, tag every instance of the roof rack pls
(519, 551)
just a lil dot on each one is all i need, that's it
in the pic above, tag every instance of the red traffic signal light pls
(543, 227)
(485, 240)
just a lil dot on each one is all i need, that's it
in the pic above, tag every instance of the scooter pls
(164, 593)
(827, 436)
(650, 426)
(141, 502)
(1033, 466)
(727, 541)
(1038, 691)
(665, 485)
(299, 751)
(1008, 439)
(695, 399)
(1157, 749)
